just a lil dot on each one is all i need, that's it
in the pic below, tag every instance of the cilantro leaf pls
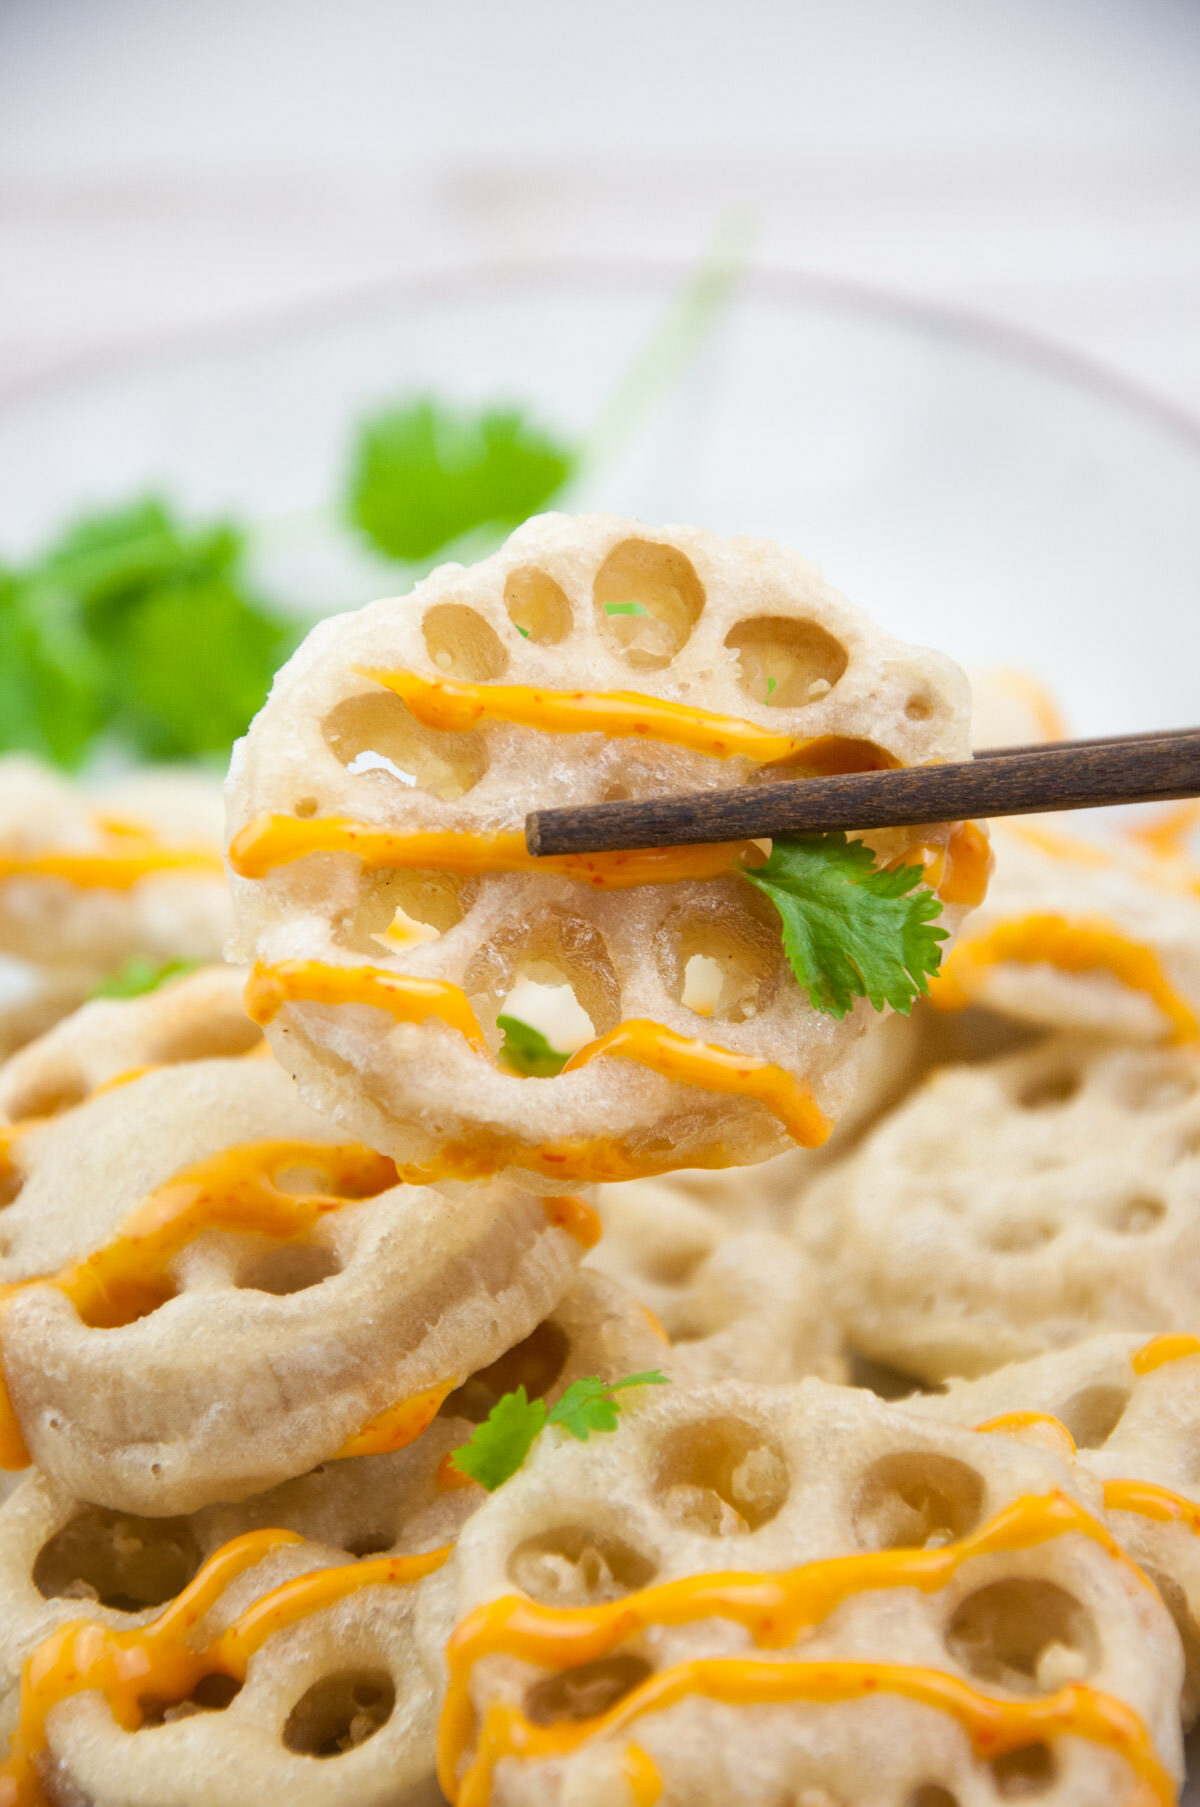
(852, 929)
(140, 975)
(423, 474)
(497, 1447)
(770, 688)
(625, 608)
(525, 1050)
(51, 676)
(588, 1404)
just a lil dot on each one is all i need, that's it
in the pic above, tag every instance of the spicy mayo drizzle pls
(448, 704)
(690, 1062)
(269, 841)
(774, 1608)
(1076, 945)
(1176, 1346)
(676, 1057)
(158, 1661)
(136, 856)
(1149, 1500)
(234, 1190)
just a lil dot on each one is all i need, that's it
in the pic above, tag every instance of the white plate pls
(970, 489)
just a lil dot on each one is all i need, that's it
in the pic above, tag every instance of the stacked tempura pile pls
(365, 1470)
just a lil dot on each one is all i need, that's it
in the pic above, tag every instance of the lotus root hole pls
(932, 1794)
(648, 599)
(720, 1476)
(918, 708)
(1025, 1635)
(884, 1381)
(537, 606)
(340, 1712)
(317, 1181)
(719, 960)
(534, 1364)
(576, 1565)
(1022, 1775)
(785, 662)
(287, 1269)
(11, 1181)
(398, 910)
(559, 953)
(1049, 1090)
(1019, 1236)
(1138, 1215)
(215, 1037)
(461, 644)
(371, 1543)
(305, 807)
(916, 1499)
(50, 1096)
(374, 736)
(586, 1692)
(1093, 1414)
(117, 1560)
(672, 1264)
(1176, 1603)
(1157, 1089)
(212, 1694)
(550, 1004)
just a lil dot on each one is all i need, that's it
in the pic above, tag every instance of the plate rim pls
(988, 332)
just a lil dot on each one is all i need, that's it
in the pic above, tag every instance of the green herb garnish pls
(852, 929)
(525, 1050)
(423, 474)
(497, 1447)
(138, 629)
(139, 975)
(770, 688)
(625, 608)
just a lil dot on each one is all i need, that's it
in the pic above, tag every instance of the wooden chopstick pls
(1000, 782)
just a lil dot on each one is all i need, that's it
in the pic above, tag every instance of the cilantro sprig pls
(139, 975)
(852, 929)
(497, 1448)
(424, 474)
(525, 1050)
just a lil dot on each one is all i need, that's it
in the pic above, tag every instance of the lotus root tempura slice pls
(214, 1288)
(383, 891)
(948, 1617)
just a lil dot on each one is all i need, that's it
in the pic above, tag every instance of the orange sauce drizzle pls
(960, 871)
(1073, 945)
(576, 1217)
(690, 1062)
(774, 1608)
(1149, 1500)
(104, 871)
(1039, 1426)
(274, 840)
(675, 1057)
(158, 1661)
(408, 999)
(448, 1476)
(641, 1772)
(235, 1190)
(994, 1726)
(397, 1425)
(1160, 1350)
(1036, 698)
(1166, 833)
(446, 703)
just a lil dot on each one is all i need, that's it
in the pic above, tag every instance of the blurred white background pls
(167, 165)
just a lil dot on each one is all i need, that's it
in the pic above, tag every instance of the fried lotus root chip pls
(1076, 935)
(948, 1617)
(377, 809)
(91, 877)
(347, 1682)
(1132, 1407)
(239, 1293)
(1019, 1206)
(739, 1303)
(197, 1016)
